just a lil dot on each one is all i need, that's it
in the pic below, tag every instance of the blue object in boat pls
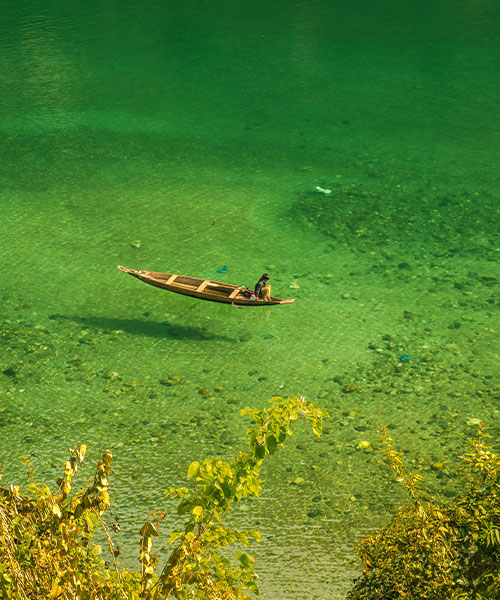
(222, 269)
(404, 358)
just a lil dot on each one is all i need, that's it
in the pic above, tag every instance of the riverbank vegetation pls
(431, 549)
(47, 544)
(437, 550)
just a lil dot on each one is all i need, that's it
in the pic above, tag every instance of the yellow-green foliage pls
(438, 551)
(45, 538)
(46, 547)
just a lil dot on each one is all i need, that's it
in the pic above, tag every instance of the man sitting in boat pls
(263, 289)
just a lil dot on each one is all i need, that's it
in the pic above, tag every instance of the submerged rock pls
(173, 380)
(314, 513)
(350, 387)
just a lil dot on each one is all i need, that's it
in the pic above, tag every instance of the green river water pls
(126, 129)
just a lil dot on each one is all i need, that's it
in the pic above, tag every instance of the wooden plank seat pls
(235, 292)
(202, 285)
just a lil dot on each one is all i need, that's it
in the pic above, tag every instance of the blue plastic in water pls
(404, 358)
(222, 269)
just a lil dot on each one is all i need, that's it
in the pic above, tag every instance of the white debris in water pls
(321, 190)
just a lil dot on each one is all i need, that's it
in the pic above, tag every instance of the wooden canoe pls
(204, 289)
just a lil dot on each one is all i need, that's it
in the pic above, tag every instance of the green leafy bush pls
(46, 548)
(438, 551)
(46, 538)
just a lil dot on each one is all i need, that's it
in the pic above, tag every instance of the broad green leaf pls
(217, 516)
(271, 444)
(226, 489)
(193, 468)
(149, 529)
(246, 560)
(260, 452)
(81, 451)
(184, 507)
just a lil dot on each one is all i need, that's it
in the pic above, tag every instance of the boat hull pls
(203, 289)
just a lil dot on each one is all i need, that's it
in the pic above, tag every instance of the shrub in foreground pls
(46, 538)
(435, 550)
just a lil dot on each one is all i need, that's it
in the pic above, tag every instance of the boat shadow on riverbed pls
(165, 329)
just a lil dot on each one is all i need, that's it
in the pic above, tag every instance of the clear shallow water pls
(125, 132)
